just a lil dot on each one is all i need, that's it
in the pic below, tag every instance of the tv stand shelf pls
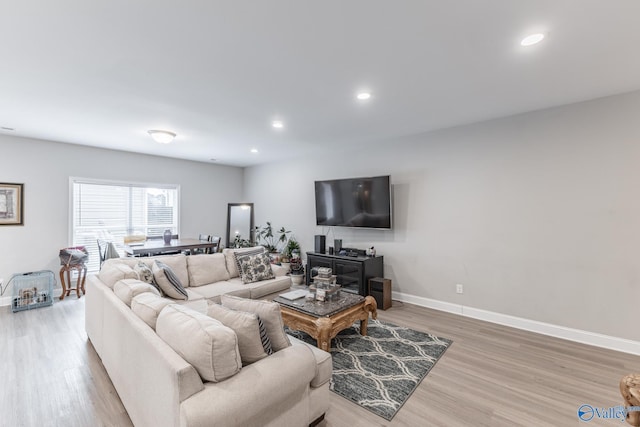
(353, 272)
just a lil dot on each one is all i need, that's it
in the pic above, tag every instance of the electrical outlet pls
(459, 289)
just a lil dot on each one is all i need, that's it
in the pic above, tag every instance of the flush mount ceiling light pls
(532, 39)
(363, 96)
(254, 150)
(277, 124)
(162, 136)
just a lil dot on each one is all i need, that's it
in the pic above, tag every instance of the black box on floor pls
(380, 290)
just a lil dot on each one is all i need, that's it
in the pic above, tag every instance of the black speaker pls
(380, 289)
(320, 243)
(337, 245)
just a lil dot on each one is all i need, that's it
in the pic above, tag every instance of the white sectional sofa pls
(158, 387)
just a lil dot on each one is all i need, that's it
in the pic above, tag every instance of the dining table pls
(158, 246)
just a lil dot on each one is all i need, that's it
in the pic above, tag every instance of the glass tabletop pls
(319, 308)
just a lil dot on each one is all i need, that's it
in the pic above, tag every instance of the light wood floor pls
(491, 375)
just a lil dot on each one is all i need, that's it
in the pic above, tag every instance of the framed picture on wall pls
(11, 204)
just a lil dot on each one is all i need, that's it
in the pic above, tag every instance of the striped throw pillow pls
(168, 281)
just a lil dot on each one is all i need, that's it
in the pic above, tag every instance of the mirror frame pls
(251, 222)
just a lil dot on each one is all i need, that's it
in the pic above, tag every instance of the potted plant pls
(239, 242)
(296, 269)
(266, 237)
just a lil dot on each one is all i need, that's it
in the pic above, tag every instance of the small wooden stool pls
(82, 275)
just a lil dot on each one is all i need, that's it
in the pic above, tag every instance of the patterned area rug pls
(380, 371)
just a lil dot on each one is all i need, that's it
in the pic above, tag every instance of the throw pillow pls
(209, 346)
(269, 313)
(146, 275)
(254, 268)
(128, 288)
(168, 281)
(230, 258)
(147, 306)
(253, 341)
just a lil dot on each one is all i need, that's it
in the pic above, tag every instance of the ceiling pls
(217, 73)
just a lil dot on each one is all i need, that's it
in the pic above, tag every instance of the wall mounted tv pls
(355, 202)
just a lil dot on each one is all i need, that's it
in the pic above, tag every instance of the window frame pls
(117, 183)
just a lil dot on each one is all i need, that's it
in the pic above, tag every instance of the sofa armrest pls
(278, 270)
(256, 395)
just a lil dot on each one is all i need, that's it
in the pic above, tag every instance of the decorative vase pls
(167, 236)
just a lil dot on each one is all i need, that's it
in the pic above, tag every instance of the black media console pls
(353, 272)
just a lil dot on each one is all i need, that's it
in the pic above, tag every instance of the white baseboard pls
(577, 335)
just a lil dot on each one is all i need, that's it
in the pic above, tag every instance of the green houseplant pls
(266, 237)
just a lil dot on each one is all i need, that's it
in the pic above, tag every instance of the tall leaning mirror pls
(239, 222)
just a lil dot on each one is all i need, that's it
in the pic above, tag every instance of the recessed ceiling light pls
(363, 96)
(532, 39)
(277, 124)
(162, 136)
(254, 150)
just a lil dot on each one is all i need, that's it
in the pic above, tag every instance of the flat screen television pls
(354, 202)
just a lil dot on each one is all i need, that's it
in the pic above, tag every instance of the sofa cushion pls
(128, 288)
(254, 267)
(230, 258)
(206, 269)
(270, 314)
(266, 287)
(253, 340)
(147, 306)
(213, 291)
(114, 271)
(324, 363)
(194, 301)
(209, 346)
(168, 281)
(146, 275)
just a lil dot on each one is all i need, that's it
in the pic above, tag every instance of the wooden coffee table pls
(324, 320)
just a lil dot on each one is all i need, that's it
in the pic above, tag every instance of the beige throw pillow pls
(253, 340)
(209, 346)
(269, 313)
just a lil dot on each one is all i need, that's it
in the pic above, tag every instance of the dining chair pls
(106, 250)
(102, 250)
(208, 238)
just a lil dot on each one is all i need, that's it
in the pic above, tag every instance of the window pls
(112, 210)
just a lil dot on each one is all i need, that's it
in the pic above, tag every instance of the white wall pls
(45, 167)
(537, 215)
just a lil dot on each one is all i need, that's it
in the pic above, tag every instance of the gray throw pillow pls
(254, 268)
(168, 281)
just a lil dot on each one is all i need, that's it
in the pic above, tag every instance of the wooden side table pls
(82, 275)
